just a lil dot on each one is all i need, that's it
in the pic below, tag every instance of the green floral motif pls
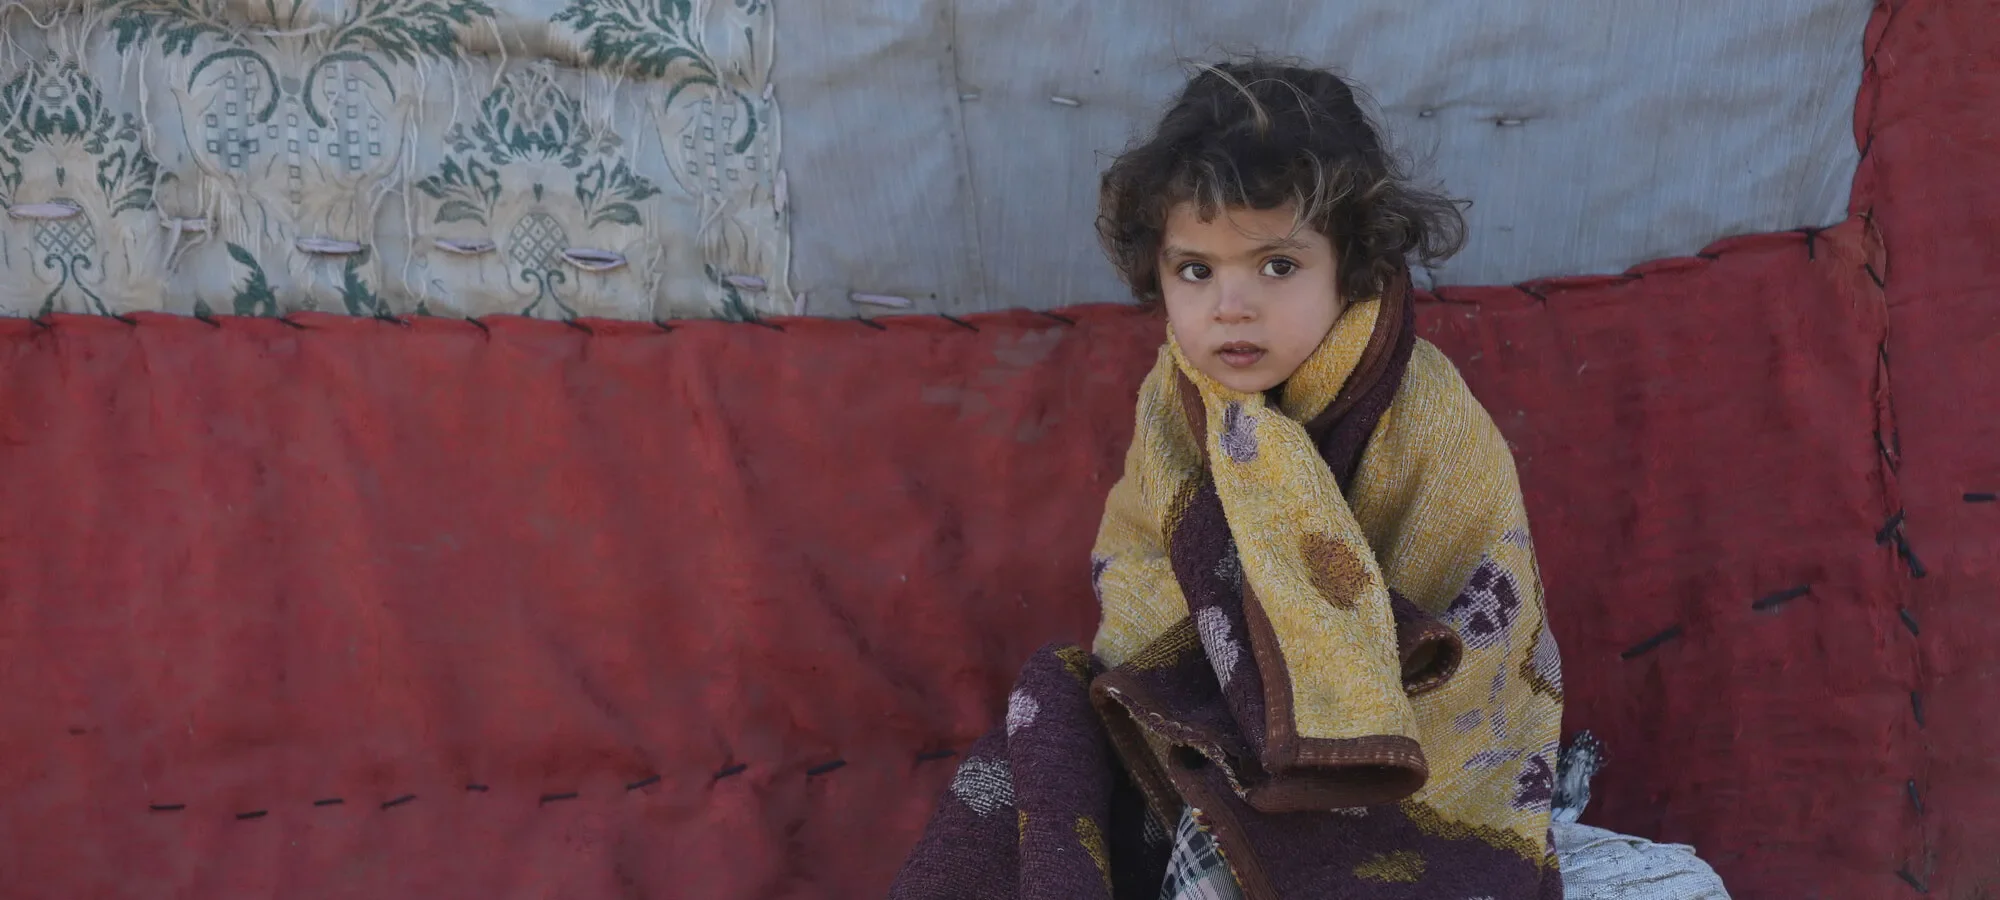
(532, 119)
(538, 192)
(64, 107)
(177, 24)
(468, 190)
(656, 39)
(355, 294)
(67, 248)
(529, 123)
(535, 247)
(528, 117)
(734, 307)
(255, 297)
(606, 195)
(56, 108)
(401, 31)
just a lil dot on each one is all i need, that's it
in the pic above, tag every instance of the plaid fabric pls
(1197, 871)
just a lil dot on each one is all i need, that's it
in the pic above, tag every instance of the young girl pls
(1323, 667)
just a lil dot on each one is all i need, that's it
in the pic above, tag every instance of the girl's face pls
(1249, 295)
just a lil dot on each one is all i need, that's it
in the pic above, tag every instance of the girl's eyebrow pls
(1283, 244)
(1173, 251)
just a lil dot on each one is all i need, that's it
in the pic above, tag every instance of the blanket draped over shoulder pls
(1322, 631)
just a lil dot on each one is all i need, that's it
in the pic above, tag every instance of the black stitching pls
(1782, 597)
(1870, 143)
(648, 781)
(1909, 556)
(391, 318)
(1888, 529)
(207, 319)
(1811, 239)
(1909, 621)
(1538, 295)
(253, 814)
(1058, 317)
(399, 801)
(1916, 799)
(1870, 268)
(1889, 454)
(330, 801)
(1917, 707)
(556, 798)
(1711, 257)
(1652, 643)
(1911, 880)
(826, 767)
(168, 807)
(958, 321)
(731, 770)
(936, 755)
(663, 326)
(754, 320)
(127, 319)
(476, 788)
(871, 323)
(288, 323)
(1982, 498)
(573, 323)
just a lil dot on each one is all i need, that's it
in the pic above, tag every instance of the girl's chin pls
(1244, 381)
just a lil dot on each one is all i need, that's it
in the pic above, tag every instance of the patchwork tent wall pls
(547, 158)
(332, 606)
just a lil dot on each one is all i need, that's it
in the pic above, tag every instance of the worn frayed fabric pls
(1392, 719)
(555, 159)
(1604, 865)
(1038, 808)
(1609, 158)
(1596, 864)
(1322, 628)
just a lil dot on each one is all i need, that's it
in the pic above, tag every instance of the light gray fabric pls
(874, 116)
(1635, 128)
(1604, 865)
(1596, 865)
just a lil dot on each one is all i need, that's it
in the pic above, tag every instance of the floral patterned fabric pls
(550, 158)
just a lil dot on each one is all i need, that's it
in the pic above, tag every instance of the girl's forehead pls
(1237, 229)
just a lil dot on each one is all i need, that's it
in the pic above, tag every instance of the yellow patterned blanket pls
(1323, 625)
(1322, 633)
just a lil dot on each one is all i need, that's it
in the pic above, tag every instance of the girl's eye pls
(1279, 268)
(1193, 271)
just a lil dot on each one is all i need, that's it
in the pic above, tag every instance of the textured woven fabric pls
(1596, 865)
(1589, 136)
(1037, 811)
(1605, 865)
(548, 158)
(1230, 537)
(368, 561)
(1196, 870)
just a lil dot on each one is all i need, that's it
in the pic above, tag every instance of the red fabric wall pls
(250, 567)
(1931, 184)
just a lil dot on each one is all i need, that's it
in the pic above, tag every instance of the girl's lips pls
(1240, 355)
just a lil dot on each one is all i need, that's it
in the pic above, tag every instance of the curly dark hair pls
(1260, 134)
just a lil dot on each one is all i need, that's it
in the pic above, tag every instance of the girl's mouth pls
(1240, 354)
